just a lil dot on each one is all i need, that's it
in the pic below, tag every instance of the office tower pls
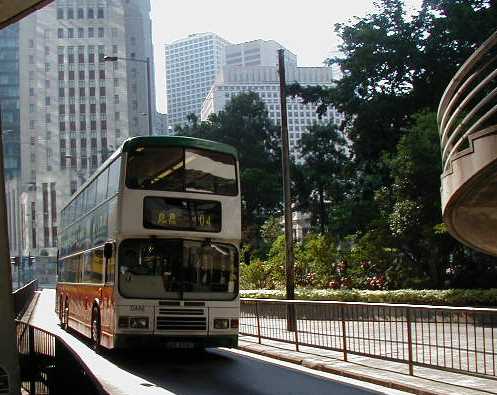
(191, 67)
(264, 81)
(76, 108)
(161, 125)
(9, 98)
(257, 53)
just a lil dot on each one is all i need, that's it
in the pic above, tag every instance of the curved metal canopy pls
(13, 10)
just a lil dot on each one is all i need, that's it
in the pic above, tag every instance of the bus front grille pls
(181, 323)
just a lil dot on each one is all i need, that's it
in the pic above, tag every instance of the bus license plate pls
(183, 345)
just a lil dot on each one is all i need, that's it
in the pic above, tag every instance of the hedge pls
(446, 297)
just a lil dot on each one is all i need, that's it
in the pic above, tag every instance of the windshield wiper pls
(208, 242)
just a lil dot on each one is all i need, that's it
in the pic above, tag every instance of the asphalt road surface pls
(221, 371)
(214, 371)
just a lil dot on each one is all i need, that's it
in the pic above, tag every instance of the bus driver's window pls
(130, 261)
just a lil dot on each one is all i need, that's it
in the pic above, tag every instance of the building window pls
(81, 13)
(116, 99)
(60, 13)
(91, 13)
(60, 33)
(100, 13)
(81, 32)
(91, 32)
(70, 13)
(31, 92)
(100, 32)
(33, 224)
(114, 49)
(47, 100)
(54, 236)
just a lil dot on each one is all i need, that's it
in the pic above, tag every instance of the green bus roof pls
(178, 141)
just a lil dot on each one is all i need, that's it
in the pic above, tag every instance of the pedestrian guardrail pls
(48, 366)
(449, 338)
(22, 296)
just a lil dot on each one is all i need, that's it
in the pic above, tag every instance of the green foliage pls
(256, 275)
(448, 297)
(322, 178)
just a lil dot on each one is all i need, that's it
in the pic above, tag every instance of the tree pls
(324, 153)
(244, 124)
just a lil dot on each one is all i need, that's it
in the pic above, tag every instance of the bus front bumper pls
(174, 342)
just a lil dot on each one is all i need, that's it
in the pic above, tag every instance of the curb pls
(323, 367)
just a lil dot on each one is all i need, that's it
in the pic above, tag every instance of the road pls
(215, 371)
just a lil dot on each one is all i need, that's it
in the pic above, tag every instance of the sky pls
(304, 27)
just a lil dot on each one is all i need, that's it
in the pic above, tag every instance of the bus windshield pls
(177, 269)
(181, 170)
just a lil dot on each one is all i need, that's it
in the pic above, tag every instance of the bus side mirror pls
(108, 250)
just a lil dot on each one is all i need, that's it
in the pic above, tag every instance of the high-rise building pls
(76, 108)
(191, 67)
(161, 124)
(257, 53)
(9, 98)
(264, 81)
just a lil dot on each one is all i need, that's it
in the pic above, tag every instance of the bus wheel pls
(96, 330)
(61, 310)
(65, 316)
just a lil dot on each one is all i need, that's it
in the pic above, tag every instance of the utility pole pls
(9, 361)
(290, 272)
(149, 97)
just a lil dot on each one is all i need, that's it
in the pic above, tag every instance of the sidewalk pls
(376, 371)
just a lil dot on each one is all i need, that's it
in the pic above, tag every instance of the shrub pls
(448, 297)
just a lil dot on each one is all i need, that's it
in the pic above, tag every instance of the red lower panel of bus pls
(80, 300)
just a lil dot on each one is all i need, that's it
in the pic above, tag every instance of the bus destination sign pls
(181, 214)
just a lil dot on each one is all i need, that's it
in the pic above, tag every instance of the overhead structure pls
(467, 121)
(11, 11)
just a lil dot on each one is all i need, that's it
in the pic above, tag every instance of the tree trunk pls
(322, 210)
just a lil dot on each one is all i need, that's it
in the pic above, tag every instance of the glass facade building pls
(9, 98)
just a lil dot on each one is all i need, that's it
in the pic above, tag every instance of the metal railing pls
(448, 338)
(48, 366)
(22, 296)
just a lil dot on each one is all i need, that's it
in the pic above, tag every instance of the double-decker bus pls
(149, 247)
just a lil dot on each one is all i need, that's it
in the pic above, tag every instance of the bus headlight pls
(138, 322)
(221, 323)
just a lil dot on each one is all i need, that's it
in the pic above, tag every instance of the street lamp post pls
(149, 86)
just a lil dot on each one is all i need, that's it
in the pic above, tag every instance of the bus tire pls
(96, 329)
(65, 316)
(61, 310)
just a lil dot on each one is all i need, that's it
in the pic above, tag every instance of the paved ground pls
(219, 371)
(390, 374)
